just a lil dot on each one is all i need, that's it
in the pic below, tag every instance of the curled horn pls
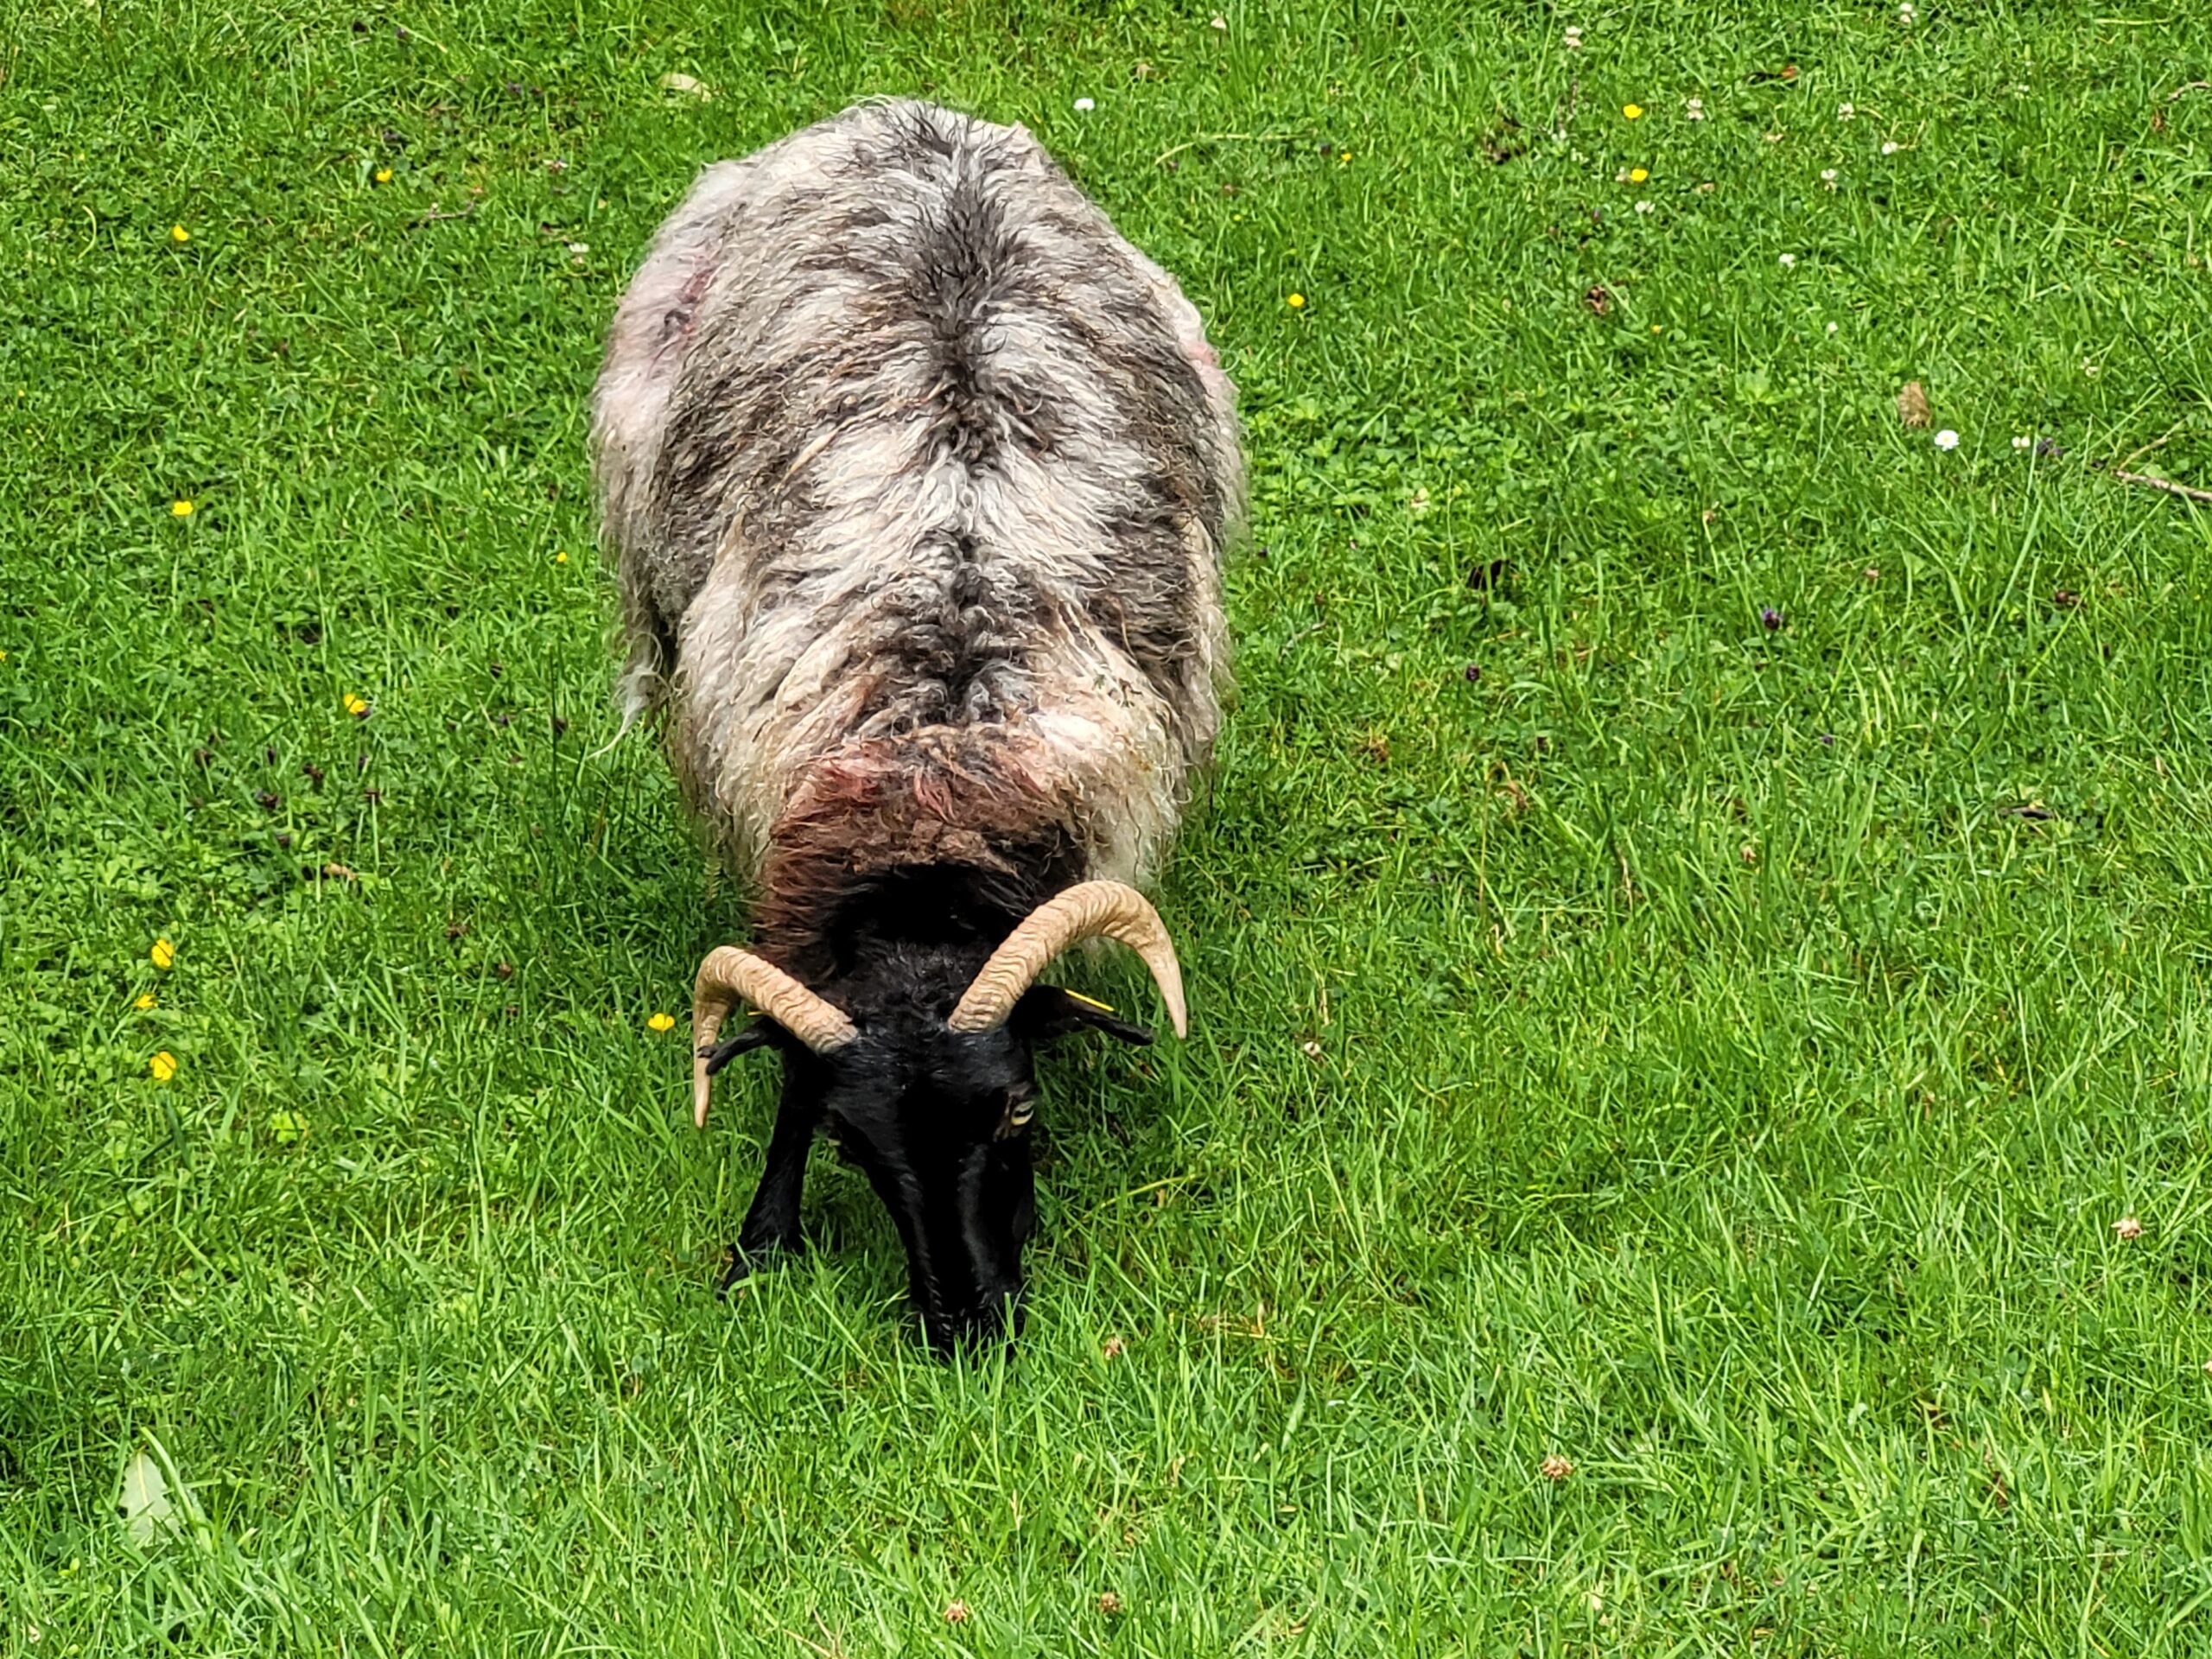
(1094, 909)
(729, 976)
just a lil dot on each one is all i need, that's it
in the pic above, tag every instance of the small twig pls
(437, 213)
(2189, 86)
(2158, 442)
(2203, 497)
(1167, 155)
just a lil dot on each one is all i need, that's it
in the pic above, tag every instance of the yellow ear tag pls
(1088, 1001)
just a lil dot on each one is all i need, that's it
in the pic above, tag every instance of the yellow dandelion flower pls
(181, 509)
(661, 1022)
(162, 955)
(1344, 158)
(384, 176)
(356, 704)
(178, 233)
(162, 1066)
(145, 1001)
(1296, 301)
(1633, 112)
(560, 558)
(1637, 174)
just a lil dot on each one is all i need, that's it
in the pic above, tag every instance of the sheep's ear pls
(1046, 1011)
(759, 1032)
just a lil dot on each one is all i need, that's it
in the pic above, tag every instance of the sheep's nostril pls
(998, 1318)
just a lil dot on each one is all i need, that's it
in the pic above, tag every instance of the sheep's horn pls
(729, 976)
(1094, 910)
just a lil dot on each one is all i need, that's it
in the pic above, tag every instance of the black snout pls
(998, 1318)
(963, 1221)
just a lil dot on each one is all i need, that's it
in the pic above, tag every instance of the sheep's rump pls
(910, 463)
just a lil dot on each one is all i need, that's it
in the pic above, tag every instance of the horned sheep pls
(917, 477)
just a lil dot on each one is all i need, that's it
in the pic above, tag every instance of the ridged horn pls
(729, 976)
(1094, 909)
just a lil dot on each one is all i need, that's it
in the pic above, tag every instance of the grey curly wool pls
(917, 477)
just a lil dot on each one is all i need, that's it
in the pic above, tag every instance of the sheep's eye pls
(1020, 1112)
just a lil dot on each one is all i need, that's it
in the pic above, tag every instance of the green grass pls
(1716, 1056)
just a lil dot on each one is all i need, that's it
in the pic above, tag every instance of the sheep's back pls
(900, 442)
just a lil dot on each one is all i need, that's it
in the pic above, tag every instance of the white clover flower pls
(1891, 147)
(1789, 261)
(1084, 106)
(1832, 327)
(1947, 439)
(1574, 41)
(1828, 177)
(1694, 110)
(2023, 443)
(1844, 112)
(1643, 207)
(1905, 13)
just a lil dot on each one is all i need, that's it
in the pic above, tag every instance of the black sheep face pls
(939, 1123)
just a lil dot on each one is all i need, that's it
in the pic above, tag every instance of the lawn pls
(1694, 1135)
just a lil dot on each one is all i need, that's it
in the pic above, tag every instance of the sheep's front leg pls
(771, 1226)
